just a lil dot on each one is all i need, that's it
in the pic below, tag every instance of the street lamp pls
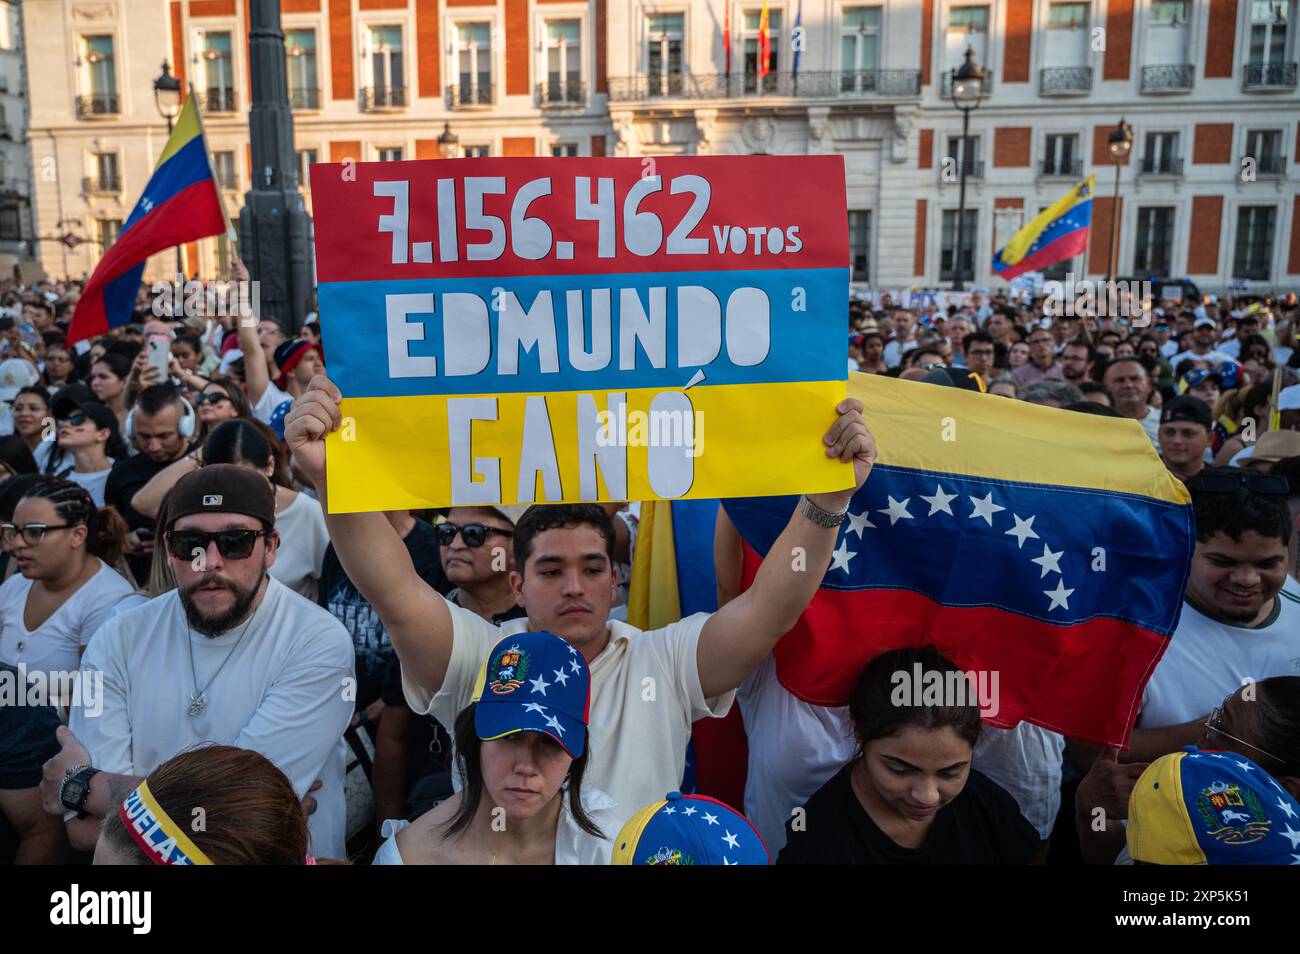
(1120, 144)
(448, 143)
(966, 87)
(167, 94)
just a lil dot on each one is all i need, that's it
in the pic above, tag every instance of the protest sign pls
(563, 330)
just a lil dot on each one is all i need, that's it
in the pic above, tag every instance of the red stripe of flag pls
(1067, 246)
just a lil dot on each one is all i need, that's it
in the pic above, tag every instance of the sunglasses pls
(32, 533)
(76, 420)
(215, 398)
(1273, 485)
(1216, 719)
(472, 533)
(231, 544)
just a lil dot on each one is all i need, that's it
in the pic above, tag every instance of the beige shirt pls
(645, 693)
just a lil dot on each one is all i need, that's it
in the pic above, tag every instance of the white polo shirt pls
(645, 693)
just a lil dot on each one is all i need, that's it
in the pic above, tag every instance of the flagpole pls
(180, 266)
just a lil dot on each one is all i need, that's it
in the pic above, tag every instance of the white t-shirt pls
(55, 645)
(796, 747)
(1208, 659)
(281, 693)
(93, 482)
(303, 541)
(1151, 424)
(1214, 357)
(645, 693)
(573, 846)
(63, 463)
(271, 398)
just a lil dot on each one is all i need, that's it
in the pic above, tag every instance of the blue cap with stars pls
(534, 682)
(688, 830)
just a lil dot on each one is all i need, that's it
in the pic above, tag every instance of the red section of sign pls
(794, 205)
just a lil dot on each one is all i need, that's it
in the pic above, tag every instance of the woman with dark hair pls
(521, 758)
(11, 491)
(250, 812)
(88, 432)
(108, 380)
(911, 796)
(65, 548)
(60, 367)
(220, 401)
(15, 458)
(31, 411)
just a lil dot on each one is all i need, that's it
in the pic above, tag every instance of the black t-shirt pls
(981, 826)
(125, 480)
(338, 594)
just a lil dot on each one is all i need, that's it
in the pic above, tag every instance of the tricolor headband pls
(161, 839)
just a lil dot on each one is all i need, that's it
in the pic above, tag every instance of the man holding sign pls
(646, 687)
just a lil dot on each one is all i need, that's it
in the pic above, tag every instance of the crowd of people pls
(165, 541)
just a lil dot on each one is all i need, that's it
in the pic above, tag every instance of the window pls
(391, 154)
(305, 159)
(106, 174)
(859, 48)
(1254, 247)
(300, 65)
(477, 152)
(1268, 29)
(1067, 35)
(860, 246)
(564, 149)
(99, 76)
(1155, 239)
(388, 85)
(751, 43)
(970, 224)
(473, 64)
(1160, 155)
(219, 73)
(223, 254)
(108, 231)
(1059, 155)
(967, 27)
(1165, 66)
(1265, 147)
(563, 61)
(11, 223)
(664, 34)
(223, 164)
(965, 155)
(1169, 13)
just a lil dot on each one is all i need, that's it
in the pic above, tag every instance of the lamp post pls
(1120, 144)
(966, 87)
(448, 143)
(167, 95)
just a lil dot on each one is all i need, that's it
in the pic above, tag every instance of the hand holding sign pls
(314, 415)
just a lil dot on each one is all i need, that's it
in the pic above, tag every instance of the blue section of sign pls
(804, 336)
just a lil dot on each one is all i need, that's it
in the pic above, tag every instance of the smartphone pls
(160, 353)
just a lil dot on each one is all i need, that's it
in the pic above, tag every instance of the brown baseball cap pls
(222, 488)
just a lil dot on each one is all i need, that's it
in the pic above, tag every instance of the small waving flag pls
(180, 204)
(764, 43)
(1059, 232)
(1048, 546)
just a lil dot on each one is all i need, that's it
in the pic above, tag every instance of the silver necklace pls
(198, 698)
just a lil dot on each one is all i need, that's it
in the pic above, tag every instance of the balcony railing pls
(374, 98)
(945, 86)
(1266, 76)
(973, 170)
(1161, 166)
(1072, 168)
(561, 95)
(97, 104)
(1065, 80)
(1171, 78)
(1272, 165)
(470, 96)
(218, 101)
(95, 185)
(804, 84)
(304, 98)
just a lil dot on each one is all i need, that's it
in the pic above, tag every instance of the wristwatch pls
(75, 788)
(823, 518)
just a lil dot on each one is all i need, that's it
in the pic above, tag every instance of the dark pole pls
(274, 225)
(1114, 230)
(959, 268)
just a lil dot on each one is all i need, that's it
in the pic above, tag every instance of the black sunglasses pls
(1273, 485)
(76, 420)
(472, 533)
(231, 544)
(216, 397)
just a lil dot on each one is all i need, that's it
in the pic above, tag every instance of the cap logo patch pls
(508, 670)
(212, 500)
(1232, 816)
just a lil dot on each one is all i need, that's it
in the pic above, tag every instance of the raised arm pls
(740, 635)
(256, 375)
(371, 551)
(148, 499)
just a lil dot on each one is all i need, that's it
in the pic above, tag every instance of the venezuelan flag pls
(180, 203)
(1048, 546)
(1059, 232)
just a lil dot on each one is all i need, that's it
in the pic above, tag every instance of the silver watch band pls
(823, 518)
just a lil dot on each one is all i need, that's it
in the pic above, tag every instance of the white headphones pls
(186, 427)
